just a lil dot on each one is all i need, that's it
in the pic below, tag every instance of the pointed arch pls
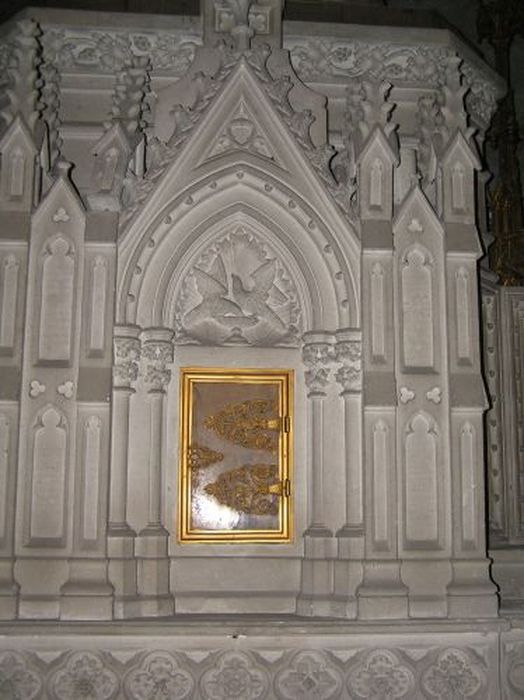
(324, 261)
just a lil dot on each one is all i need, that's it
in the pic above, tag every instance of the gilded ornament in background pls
(252, 424)
(252, 488)
(200, 456)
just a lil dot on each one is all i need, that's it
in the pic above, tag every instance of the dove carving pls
(254, 299)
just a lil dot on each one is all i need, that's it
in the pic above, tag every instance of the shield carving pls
(241, 130)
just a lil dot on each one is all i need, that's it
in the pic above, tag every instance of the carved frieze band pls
(289, 673)
(320, 58)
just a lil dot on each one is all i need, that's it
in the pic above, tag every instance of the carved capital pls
(126, 356)
(157, 354)
(317, 355)
(348, 352)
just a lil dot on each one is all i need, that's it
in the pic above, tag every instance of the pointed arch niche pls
(237, 243)
(324, 261)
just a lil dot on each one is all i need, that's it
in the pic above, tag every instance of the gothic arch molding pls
(324, 259)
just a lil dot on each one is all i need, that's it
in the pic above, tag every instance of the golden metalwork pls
(252, 488)
(252, 424)
(200, 456)
(219, 501)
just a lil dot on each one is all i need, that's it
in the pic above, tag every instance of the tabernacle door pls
(235, 461)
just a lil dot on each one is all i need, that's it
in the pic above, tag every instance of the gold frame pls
(284, 379)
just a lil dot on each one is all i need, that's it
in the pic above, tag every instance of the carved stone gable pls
(238, 293)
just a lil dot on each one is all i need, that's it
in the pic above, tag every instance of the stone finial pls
(130, 96)
(454, 92)
(51, 110)
(243, 21)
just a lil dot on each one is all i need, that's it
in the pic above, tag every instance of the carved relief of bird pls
(254, 300)
(212, 287)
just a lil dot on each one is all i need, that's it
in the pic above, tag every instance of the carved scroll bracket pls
(318, 354)
(157, 353)
(348, 352)
(126, 356)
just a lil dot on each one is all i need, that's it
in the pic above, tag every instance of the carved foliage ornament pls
(235, 676)
(318, 359)
(381, 675)
(349, 375)
(107, 51)
(157, 355)
(310, 676)
(238, 293)
(126, 359)
(453, 675)
(17, 681)
(324, 58)
(84, 676)
(159, 676)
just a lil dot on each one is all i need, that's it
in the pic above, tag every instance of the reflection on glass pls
(235, 455)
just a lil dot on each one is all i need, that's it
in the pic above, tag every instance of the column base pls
(87, 594)
(382, 595)
(9, 589)
(126, 608)
(316, 596)
(39, 607)
(427, 581)
(471, 593)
